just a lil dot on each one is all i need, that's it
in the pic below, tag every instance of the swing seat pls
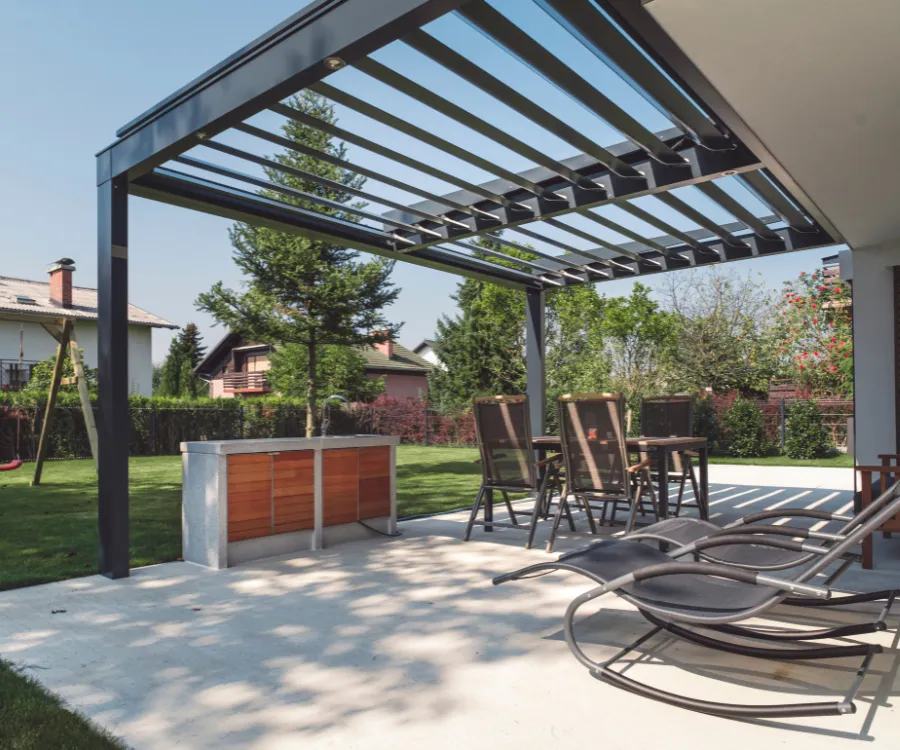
(11, 465)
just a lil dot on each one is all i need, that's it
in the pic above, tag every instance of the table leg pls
(488, 509)
(704, 481)
(868, 560)
(662, 493)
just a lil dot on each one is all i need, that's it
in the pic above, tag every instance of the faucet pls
(326, 411)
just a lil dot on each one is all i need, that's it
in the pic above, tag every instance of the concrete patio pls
(395, 643)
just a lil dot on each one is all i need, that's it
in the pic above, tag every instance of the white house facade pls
(27, 306)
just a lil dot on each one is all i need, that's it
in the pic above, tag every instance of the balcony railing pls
(14, 375)
(245, 382)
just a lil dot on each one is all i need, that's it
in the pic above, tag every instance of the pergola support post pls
(112, 345)
(535, 373)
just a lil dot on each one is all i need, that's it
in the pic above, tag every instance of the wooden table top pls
(642, 442)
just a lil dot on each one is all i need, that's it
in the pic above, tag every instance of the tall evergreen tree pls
(170, 379)
(192, 344)
(302, 291)
(176, 377)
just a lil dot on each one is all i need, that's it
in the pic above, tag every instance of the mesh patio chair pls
(673, 416)
(697, 600)
(592, 435)
(503, 429)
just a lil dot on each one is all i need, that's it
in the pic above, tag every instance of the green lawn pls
(840, 461)
(33, 719)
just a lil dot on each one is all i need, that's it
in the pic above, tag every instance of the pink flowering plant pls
(815, 340)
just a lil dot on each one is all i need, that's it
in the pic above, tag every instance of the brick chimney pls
(61, 282)
(387, 348)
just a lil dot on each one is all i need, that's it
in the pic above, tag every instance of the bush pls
(806, 436)
(706, 424)
(745, 429)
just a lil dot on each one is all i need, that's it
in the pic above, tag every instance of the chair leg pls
(681, 493)
(702, 502)
(541, 506)
(654, 503)
(562, 508)
(635, 502)
(587, 511)
(512, 513)
(474, 514)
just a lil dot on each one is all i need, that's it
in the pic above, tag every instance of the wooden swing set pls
(66, 341)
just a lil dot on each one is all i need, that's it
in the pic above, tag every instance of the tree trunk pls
(311, 391)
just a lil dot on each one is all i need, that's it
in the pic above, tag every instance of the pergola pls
(181, 151)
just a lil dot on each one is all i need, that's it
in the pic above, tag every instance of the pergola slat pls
(594, 30)
(388, 153)
(370, 145)
(676, 204)
(414, 131)
(496, 26)
(624, 231)
(427, 45)
(663, 226)
(729, 204)
(772, 197)
(291, 192)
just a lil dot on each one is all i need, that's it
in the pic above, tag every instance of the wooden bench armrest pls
(548, 461)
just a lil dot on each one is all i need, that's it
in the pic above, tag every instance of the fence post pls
(783, 426)
(155, 447)
(242, 422)
(425, 421)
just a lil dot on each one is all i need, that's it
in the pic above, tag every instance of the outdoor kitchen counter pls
(245, 500)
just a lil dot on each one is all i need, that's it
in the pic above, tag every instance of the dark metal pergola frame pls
(709, 141)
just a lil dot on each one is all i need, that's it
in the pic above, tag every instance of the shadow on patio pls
(405, 643)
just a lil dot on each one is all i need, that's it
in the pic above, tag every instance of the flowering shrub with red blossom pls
(815, 341)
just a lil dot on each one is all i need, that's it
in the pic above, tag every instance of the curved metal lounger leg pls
(603, 671)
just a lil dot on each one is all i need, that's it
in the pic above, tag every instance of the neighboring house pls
(235, 367)
(26, 305)
(426, 351)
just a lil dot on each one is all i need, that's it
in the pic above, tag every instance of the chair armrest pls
(640, 466)
(889, 456)
(548, 461)
(692, 454)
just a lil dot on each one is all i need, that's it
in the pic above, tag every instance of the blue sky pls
(74, 72)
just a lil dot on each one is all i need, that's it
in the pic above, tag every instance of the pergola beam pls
(178, 189)
(283, 61)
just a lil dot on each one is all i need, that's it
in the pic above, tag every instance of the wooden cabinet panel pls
(292, 491)
(374, 482)
(340, 486)
(249, 496)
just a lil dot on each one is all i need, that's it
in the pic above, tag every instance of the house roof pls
(84, 303)
(425, 342)
(403, 360)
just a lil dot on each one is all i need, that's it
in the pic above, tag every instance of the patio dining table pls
(659, 449)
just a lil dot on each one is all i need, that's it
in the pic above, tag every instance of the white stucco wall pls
(39, 345)
(872, 274)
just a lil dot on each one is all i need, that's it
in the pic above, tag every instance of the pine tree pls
(298, 290)
(170, 381)
(192, 344)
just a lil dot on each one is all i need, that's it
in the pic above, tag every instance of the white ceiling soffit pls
(818, 81)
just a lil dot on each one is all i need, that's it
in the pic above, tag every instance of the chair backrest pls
(592, 433)
(667, 416)
(503, 428)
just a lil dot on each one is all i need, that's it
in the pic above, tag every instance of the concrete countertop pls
(271, 445)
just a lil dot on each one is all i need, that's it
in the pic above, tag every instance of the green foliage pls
(725, 331)
(482, 348)
(42, 375)
(706, 424)
(806, 436)
(745, 429)
(341, 370)
(299, 290)
(176, 375)
(816, 334)
(638, 338)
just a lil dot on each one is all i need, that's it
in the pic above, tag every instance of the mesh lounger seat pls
(696, 600)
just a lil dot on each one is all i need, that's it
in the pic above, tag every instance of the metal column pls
(534, 359)
(112, 344)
